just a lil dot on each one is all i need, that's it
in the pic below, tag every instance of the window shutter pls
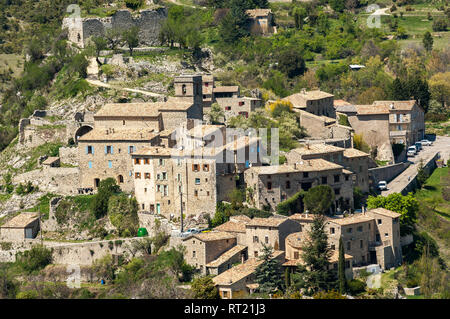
(106, 150)
(92, 150)
(111, 149)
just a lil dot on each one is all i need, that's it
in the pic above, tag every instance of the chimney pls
(391, 106)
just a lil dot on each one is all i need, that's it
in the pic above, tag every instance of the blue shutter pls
(92, 150)
(106, 151)
(110, 164)
(86, 149)
(247, 164)
(130, 173)
(112, 150)
(129, 149)
(90, 164)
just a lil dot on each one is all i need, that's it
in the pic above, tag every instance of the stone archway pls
(82, 130)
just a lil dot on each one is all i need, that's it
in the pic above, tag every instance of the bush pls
(356, 286)
(332, 294)
(122, 212)
(291, 205)
(440, 24)
(34, 259)
(134, 4)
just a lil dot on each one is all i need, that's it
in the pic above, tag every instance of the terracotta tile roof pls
(50, 160)
(347, 172)
(128, 110)
(232, 226)
(212, 236)
(340, 103)
(174, 104)
(353, 152)
(371, 109)
(237, 272)
(353, 219)
(226, 89)
(296, 240)
(21, 221)
(253, 13)
(398, 105)
(299, 99)
(241, 271)
(385, 212)
(335, 256)
(226, 256)
(266, 222)
(311, 165)
(105, 134)
(346, 109)
(318, 148)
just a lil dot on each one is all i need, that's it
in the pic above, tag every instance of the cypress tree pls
(341, 268)
(268, 274)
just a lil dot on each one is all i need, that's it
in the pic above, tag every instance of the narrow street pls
(441, 144)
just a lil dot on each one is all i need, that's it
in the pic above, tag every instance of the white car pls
(426, 142)
(412, 151)
(382, 185)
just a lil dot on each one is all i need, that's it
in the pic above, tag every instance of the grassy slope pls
(432, 191)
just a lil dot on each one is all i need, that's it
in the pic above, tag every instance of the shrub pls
(332, 294)
(203, 288)
(122, 212)
(356, 286)
(34, 259)
(27, 294)
(291, 205)
(134, 4)
(440, 24)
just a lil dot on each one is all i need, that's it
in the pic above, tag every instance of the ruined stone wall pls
(148, 21)
(68, 155)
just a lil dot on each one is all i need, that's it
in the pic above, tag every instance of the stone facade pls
(261, 21)
(21, 227)
(273, 184)
(315, 102)
(149, 23)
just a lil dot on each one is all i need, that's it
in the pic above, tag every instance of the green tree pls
(318, 199)
(106, 188)
(123, 214)
(407, 206)
(341, 268)
(291, 62)
(235, 25)
(8, 285)
(216, 115)
(422, 175)
(34, 259)
(269, 274)
(427, 41)
(114, 38)
(314, 273)
(299, 13)
(131, 38)
(337, 5)
(204, 288)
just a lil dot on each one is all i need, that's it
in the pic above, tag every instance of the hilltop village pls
(228, 177)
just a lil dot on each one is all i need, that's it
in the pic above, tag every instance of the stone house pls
(294, 250)
(351, 159)
(236, 226)
(406, 121)
(21, 227)
(51, 162)
(121, 129)
(235, 255)
(372, 237)
(270, 231)
(316, 102)
(239, 281)
(271, 185)
(204, 248)
(207, 91)
(372, 123)
(261, 21)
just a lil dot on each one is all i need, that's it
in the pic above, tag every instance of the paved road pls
(100, 83)
(441, 144)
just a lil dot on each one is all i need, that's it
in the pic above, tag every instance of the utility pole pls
(181, 206)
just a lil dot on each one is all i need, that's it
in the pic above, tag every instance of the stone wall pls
(386, 173)
(68, 155)
(148, 21)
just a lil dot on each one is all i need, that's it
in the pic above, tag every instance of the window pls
(255, 239)
(206, 167)
(227, 108)
(266, 239)
(164, 176)
(131, 149)
(196, 193)
(336, 178)
(109, 164)
(305, 174)
(146, 161)
(296, 255)
(183, 89)
(195, 167)
(241, 103)
(360, 228)
(349, 245)
(145, 190)
(269, 185)
(337, 191)
(147, 175)
(193, 254)
(349, 230)
(324, 180)
(333, 247)
(346, 178)
(379, 222)
(89, 149)
(197, 181)
(137, 175)
(256, 253)
(347, 264)
(166, 190)
(386, 235)
(108, 149)
(206, 84)
(90, 164)
(288, 184)
(137, 161)
(161, 162)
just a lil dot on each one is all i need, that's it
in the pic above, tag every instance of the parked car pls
(418, 145)
(412, 151)
(426, 142)
(382, 185)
